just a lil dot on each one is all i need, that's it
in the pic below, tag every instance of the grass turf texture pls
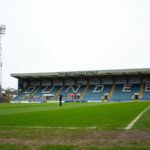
(18, 124)
(144, 121)
(102, 116)
(61, 147)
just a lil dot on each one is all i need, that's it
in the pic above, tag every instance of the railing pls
(58, 92)
(141, 90)
(112, 91)
(84, 92)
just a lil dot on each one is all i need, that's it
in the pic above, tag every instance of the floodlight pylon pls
(2, 32)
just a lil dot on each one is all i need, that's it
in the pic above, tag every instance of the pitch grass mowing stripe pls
(131, 124)
(112, 116)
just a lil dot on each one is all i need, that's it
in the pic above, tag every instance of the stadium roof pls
(119, 72)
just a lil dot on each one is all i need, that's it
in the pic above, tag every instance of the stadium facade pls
(98, 85)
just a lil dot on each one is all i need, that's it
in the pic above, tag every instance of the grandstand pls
(100, 85)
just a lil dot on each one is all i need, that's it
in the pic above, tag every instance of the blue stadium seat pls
(146, 95)
(96, 96)
(119, 95)
(72, 89)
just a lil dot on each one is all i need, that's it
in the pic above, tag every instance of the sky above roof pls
(72, 35)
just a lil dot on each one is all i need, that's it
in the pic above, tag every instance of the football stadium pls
(101, 110)
(84, 86)
(94, 106)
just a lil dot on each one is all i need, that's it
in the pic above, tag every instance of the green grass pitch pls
(103, 116)
(52, 126)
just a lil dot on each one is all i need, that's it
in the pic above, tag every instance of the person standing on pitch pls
(60, 100)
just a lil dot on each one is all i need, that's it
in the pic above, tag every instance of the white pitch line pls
(130, 125)
(48, 127)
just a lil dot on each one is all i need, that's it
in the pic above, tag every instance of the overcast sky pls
(72, 35)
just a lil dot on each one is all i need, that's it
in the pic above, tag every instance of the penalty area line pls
(131, 124)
